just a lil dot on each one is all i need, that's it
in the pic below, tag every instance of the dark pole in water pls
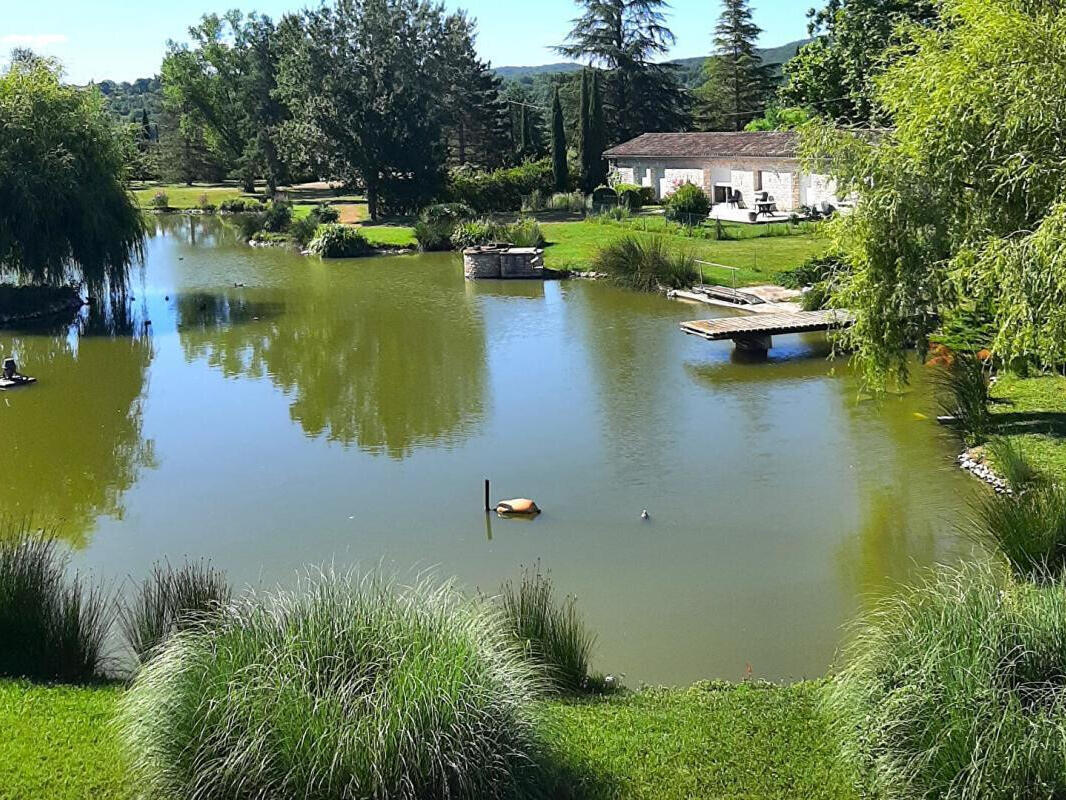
(487, 509)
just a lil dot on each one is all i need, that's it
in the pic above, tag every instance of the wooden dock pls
(756, 331)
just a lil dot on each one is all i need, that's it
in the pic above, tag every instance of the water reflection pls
(73, 443)
(361, 367)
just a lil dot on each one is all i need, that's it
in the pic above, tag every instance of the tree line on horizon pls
(387, 95)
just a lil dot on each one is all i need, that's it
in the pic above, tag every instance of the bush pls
(339, 241)
(160, 200)
(453, 213)
(630, 195)
(645, 264)
(568, 201)
(501, 190)
(955, 690)
(250, 225)
(324, 214)
(551, 634)
(524, 232)
(52, 628)
(204, 202)
(474, 233)
(240, 205)
(688, 202)
(304, 230)
(277, 217)
(171, 600)
(434, 236)
(963, 394)
(349, 689)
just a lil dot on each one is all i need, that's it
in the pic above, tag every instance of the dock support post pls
(487, 507)
(753, 344)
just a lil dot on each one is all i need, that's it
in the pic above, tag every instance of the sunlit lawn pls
(715, 741)
(1032, 411)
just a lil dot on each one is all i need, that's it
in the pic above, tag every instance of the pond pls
(283, 411)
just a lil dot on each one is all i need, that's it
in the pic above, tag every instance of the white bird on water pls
(644, 515)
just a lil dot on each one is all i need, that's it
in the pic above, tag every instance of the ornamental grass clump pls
(1028, 528)
(957, 689)
(53, 627)
(349, 688)
(963, 390)
(550, 633)
(169, 600)
(645, 264)
(339, 241)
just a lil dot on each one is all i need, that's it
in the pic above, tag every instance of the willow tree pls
(65, 211)
(963, 204)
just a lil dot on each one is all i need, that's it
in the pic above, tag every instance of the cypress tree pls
(523, 132)
(560, 170)
(146, 126)
(585, 143)
(597, 134)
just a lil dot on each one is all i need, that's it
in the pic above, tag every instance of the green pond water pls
(347, 413)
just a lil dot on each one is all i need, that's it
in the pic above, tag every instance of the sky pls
(125, 39)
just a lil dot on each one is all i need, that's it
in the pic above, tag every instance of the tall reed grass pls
(963, 390)
(646, 264)
(169, 600)
(53, 626)
(550, 632)
(957, 689)
(349, 688)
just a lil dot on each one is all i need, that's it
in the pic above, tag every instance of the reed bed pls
(53, 626)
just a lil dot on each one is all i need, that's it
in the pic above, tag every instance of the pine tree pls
(737, 83)
(560, 170)
(146, 126)
(626, 38)
(521, 132)
(597, 135)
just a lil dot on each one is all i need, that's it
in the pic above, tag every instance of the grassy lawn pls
(712, 741)
(304, 197)
(1032, 412)
(58, 743)
(389, 235)
(573, 245)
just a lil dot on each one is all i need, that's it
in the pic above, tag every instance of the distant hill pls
(690, 67)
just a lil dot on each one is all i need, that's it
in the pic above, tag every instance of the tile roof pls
(763, 144)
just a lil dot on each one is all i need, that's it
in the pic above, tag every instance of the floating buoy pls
(519, 507)
(644, 515)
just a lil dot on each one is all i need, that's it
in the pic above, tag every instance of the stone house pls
(723, 164)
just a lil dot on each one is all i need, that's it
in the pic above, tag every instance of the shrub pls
(434, 236)
(955, 690)
(240, 205)
(551, 634)
(687, 203)
(645, 264)
(339, 241)
(453, 213)
(304, 230)
(350, 688)
(501, 190)
(52, 628)
(630, 195)
(963, 394)
(536, 201)
(810, 272)
(250, 224)
(324, 214)
(524, 232)
(204, 202)
(277, 217)
(474, 233)
(170, 600)
(160, 200)
(568, 201)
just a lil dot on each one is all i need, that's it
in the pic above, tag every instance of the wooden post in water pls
(487, 507)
